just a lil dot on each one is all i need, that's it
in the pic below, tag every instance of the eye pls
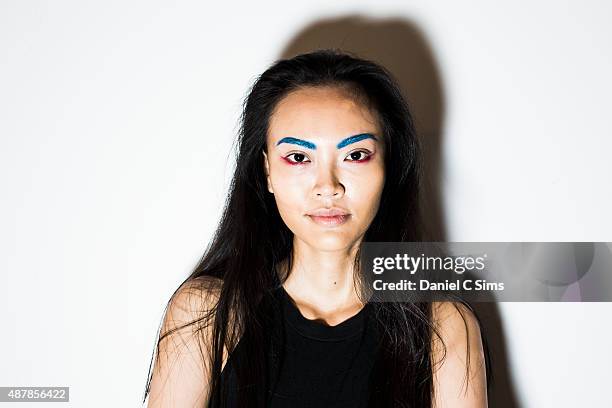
(359, 156)
(299, 158)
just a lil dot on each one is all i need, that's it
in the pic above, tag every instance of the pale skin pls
(321, 281)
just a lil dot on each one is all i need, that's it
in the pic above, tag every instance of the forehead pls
(321, 113)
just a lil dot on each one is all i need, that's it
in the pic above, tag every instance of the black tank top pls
(316, 365)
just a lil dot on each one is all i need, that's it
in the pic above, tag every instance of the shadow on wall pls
(399, 45)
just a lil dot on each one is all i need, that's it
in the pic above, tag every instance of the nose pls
(328, 184)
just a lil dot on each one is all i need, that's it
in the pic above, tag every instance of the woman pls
(273, 315)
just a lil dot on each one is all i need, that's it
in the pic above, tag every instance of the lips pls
(327, 212)
(329, 217)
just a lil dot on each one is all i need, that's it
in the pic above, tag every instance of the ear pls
(267, 169)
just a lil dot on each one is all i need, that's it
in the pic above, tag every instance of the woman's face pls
(325, 157)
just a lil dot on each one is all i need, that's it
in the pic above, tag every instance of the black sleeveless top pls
(309, 363)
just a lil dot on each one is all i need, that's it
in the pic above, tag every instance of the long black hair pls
(252, 243)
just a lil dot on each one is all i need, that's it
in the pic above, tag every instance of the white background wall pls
(116, 124)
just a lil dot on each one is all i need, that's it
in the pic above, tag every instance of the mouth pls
(329, 221)
(329, 218)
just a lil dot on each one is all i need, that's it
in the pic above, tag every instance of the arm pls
(181, 372)
(460, 375)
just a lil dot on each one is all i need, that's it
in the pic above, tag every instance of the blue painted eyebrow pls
(343, 142)
(295, 140)
(355, 139)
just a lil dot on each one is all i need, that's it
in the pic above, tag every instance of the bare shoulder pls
(181, 370)
(455, 321)
(457, 357)
(192, 298)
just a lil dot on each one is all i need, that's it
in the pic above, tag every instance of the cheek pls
(289, 193)
(365, 191)
(365, 196)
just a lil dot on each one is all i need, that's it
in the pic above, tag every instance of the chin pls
(330, 241)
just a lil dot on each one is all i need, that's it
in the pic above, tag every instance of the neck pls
(323, 280)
